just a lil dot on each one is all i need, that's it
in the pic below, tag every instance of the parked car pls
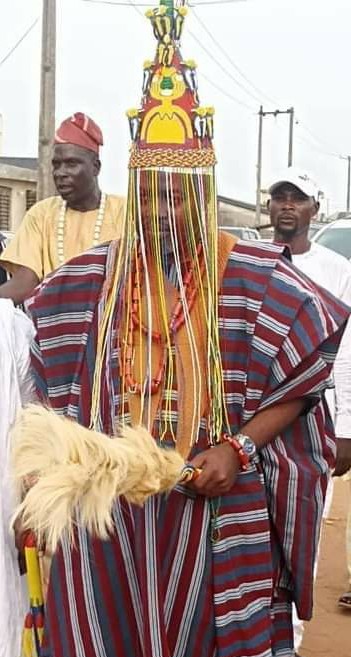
(336, 236)
(243, 232)
(314, 228)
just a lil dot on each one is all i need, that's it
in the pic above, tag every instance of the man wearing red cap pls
(61, 227)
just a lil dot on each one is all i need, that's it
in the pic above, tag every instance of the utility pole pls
(47, 100)
(291, 136)
(259, 167)
(261, 116)
(348, 186)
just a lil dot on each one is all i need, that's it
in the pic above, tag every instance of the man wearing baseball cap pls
(61, 227)
(293, 204)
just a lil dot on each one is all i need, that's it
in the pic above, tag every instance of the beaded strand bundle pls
(158, 202)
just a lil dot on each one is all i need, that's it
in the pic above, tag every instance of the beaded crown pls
(171, 128)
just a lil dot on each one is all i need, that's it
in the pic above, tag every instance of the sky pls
(278, 53)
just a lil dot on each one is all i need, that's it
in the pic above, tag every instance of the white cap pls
(299, 179)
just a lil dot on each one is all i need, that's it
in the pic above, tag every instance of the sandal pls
(345, 600)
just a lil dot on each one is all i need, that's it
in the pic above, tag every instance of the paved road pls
(329, 633)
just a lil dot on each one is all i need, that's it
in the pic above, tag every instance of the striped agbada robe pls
(185, 576)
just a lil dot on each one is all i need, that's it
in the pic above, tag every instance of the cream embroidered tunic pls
(35, 243)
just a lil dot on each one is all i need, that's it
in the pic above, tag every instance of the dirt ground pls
(329, 633)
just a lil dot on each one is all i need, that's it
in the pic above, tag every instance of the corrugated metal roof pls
(21, 162)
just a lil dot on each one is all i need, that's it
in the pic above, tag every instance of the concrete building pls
(239, 213)
(18, 183)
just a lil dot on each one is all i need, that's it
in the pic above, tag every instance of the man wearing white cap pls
(293, 204)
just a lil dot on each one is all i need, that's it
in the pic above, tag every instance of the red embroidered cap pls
(80, 130)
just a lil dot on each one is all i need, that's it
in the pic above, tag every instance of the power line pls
(303, 140)
(4, 59)
(226, 93)
(319, 141)
(224, 70)
(118, 4)
(214, 2)
(195, 3)
(318, 144)
(230, 60)
(131, 4)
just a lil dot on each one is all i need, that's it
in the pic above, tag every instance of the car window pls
(235, 231)
(337, 239)
(243, 233)
(313, 229)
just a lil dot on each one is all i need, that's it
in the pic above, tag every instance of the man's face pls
(169, 203)
(291, 211)
(74, 170)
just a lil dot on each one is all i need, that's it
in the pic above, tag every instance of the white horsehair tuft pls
(79, 473)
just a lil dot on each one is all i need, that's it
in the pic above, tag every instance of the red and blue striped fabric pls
(186, 577)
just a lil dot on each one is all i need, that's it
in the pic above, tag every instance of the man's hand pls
(20, 534)
(220, 466)
(343, 456)
(20, 286)
(20, 537)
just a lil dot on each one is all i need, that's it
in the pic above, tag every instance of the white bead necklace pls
(61, 227)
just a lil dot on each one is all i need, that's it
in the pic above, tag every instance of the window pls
(31, 198)
(5, 208)
(337, 239)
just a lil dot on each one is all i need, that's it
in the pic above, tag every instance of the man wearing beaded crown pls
(207, 342)
(59, 228)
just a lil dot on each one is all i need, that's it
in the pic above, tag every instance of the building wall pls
(22, 185)
(230, 214)
(19, 199)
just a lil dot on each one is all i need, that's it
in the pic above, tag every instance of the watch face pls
(248, 445)
(249, 448)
